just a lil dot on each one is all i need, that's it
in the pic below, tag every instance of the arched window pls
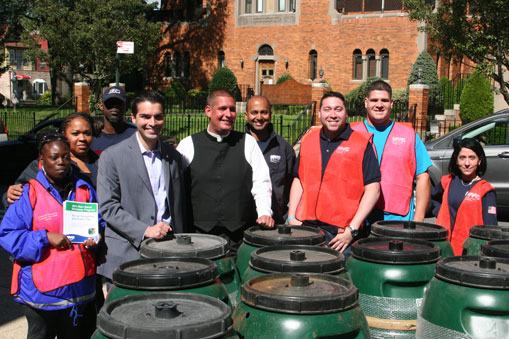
(265, 50)
(313, 61)
(220, 59)
(384, 63)
(167, 64)
(357, 64)
(371, 63)
(187, 64)
(177, 61)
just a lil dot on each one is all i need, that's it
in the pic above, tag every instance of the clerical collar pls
(218, 137)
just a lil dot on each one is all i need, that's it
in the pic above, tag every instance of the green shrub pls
(447, 92)
(400, 96)
(176, 91)
(196, 93)
(458, 89)
(429, 74)
(44, 99)
(93, 103)
(476, 98)
(355, 98)
(224, 79)
(283, 78)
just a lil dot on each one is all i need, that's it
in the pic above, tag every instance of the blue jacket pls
(28, 246)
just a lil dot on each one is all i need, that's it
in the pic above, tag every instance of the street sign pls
(125, 47)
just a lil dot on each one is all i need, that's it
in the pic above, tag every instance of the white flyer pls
(81, 221)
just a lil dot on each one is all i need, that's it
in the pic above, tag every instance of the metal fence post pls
(188, 124)
(281, 124)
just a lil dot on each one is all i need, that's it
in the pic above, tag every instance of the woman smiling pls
(463, 199)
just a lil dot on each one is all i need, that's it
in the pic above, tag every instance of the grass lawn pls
(25, 118)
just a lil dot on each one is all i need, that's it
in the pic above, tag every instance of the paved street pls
(12, 322)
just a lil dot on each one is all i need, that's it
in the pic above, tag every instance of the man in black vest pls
(279, 155)
(227, 175)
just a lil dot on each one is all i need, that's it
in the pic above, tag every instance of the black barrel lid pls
(300, 293)
(283, 235)
(165, 315)
(475, 271)
(496, 248)
(297, 259)
(195, 245)
(390, 251)
(489, 232)
(165, 273)
(402, 229)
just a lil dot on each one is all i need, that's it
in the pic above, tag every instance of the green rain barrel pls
(198, 245)
(480, 234)
(496, 248)
(395, 229)
(257, 236)
(193, 275)
(165, 315)
(299, 306)
(468, 298)
(392, 276)
(296, 259)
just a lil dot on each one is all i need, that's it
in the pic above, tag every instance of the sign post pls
(123, 47)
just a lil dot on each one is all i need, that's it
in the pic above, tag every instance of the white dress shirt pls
(262, 187)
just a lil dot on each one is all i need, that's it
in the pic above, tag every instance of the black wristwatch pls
(353, 231)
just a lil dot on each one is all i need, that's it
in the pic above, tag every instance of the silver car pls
(493, 133)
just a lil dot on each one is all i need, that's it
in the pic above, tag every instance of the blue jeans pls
(329, 235)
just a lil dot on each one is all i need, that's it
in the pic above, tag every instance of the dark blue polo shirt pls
(370, 167)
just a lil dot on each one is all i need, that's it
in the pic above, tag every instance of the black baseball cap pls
(114, 92)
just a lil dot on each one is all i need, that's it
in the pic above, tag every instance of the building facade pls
(26, 79)
(340, 41)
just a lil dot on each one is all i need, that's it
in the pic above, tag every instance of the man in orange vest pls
(337, 177)
(402, 157)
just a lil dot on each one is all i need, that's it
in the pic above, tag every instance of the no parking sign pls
(125, 47)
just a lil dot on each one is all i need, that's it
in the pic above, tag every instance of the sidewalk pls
(13, 324)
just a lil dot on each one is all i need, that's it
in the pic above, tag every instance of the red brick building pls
(261, 40)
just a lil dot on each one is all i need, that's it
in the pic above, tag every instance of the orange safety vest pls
(333, 199)
(469, 212)
(399, 165)
(57, 268)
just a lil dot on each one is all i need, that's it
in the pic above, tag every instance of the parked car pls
(17, 154)
(4, 134)
(493, 133)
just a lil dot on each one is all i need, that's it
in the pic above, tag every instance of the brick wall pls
(289, 92)
(316, 30)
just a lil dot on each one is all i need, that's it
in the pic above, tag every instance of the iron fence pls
(20, 122)
(190, 104)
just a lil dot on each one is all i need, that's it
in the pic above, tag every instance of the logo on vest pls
(342, 150)
(274, 158)
(398, 140)
(48, 216)
(114, 90)
(472, 196)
